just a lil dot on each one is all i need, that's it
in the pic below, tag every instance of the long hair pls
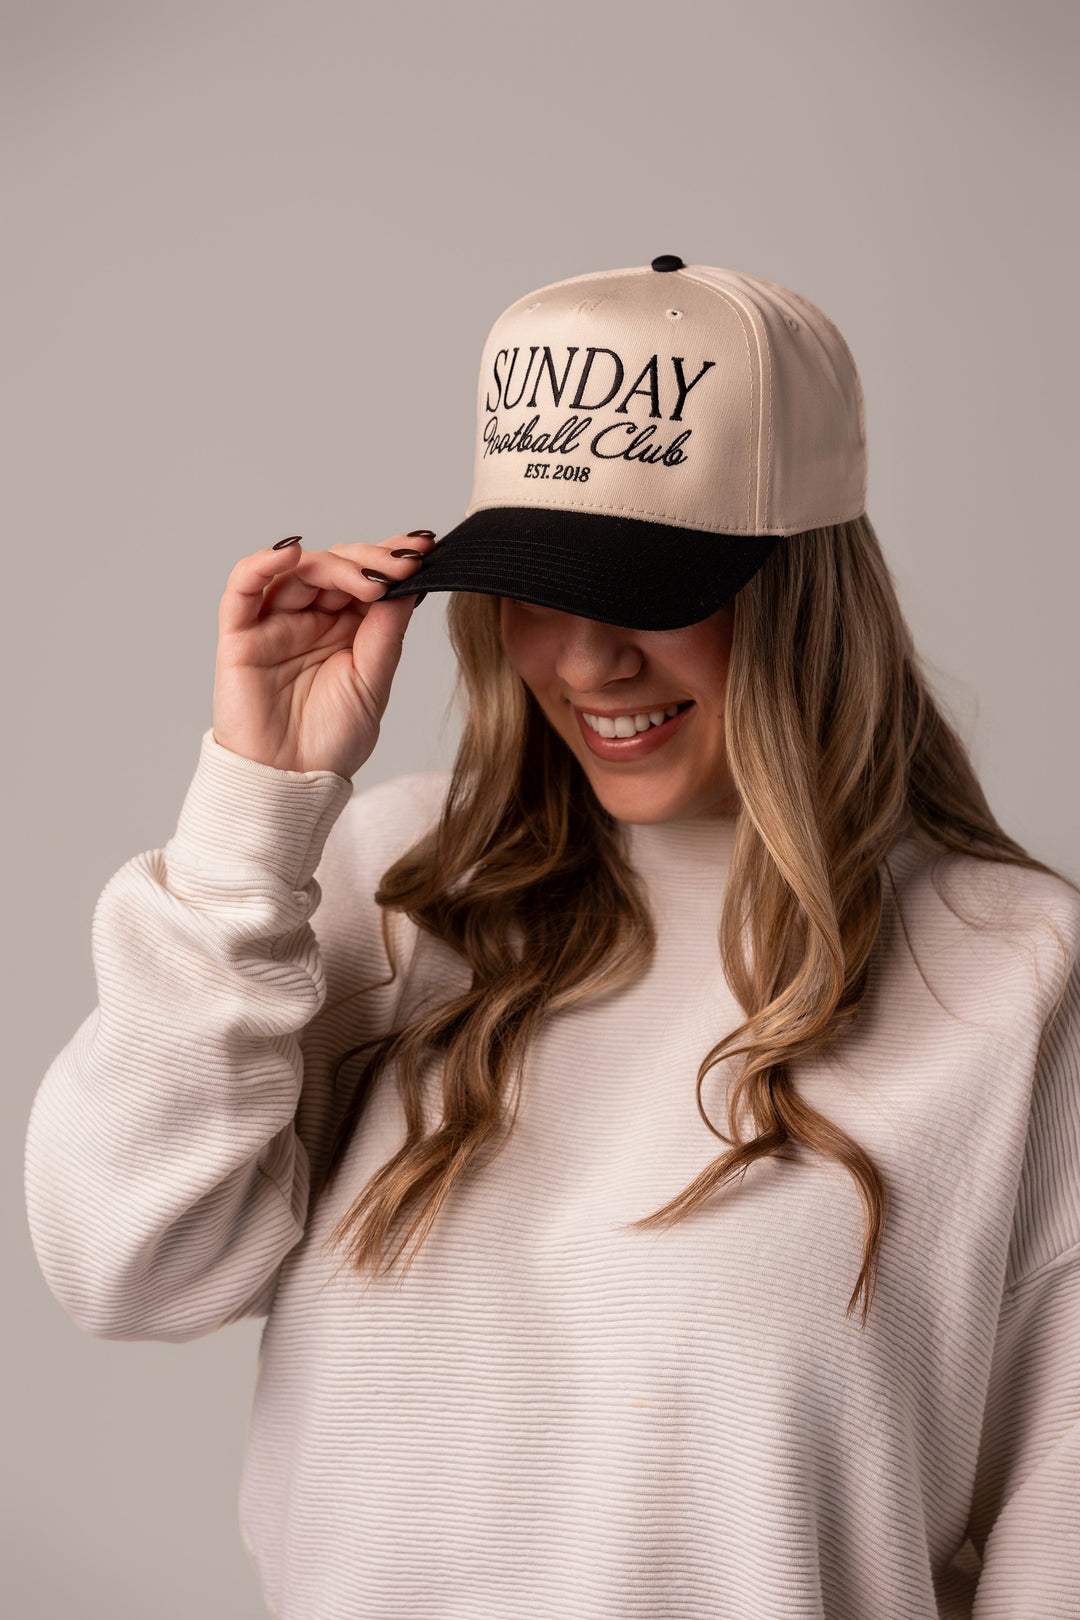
(837, 748)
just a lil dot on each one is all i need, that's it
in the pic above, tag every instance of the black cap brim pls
(623, 571)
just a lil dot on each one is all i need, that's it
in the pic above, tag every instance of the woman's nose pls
(591, 654)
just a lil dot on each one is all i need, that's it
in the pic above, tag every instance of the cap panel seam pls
(764, 518)
(812, 314)
(859, 398)
(569, 281)
(745, 312)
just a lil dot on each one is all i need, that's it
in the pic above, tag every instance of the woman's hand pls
(307, 653)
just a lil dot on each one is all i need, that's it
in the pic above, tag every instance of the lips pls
(637, 746)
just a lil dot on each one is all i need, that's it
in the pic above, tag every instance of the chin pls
(641, 802)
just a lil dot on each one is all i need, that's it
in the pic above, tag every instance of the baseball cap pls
(645, 437)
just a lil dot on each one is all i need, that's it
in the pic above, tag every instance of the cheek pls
(706, 655)
(526, 645)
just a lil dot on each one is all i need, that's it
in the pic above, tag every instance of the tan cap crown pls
(695, 397)
(645, 440)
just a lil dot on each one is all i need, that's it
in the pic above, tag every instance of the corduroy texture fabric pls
(555, 1415)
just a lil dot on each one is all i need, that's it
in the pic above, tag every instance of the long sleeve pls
(1026, 1512)
(165, 1178)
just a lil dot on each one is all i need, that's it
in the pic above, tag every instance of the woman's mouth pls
(633, 733)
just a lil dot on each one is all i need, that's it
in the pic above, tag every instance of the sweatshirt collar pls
(684, 863)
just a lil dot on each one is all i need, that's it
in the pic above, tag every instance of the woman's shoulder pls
(1020, 914)
(1017, 897)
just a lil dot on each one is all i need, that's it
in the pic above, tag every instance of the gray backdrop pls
(252, 253)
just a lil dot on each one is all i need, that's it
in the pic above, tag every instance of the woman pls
(559, 1115)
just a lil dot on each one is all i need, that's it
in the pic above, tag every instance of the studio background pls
(252, 253)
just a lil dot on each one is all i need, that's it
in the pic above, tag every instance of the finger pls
(422, 540)
(315, 571)
(294, 595)
(419, 541)
(242, 600)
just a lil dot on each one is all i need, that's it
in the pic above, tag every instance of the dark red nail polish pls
(373, 573)
(404, 553)
(291, 541)
(421, 534)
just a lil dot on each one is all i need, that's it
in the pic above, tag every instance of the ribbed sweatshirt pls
(556, 1415)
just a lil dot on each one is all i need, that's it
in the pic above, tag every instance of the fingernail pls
(373, 573)
(421, 534)
(404, 553)
(291, 541)
(419, 597)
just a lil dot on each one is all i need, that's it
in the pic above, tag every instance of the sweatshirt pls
(554, 1415)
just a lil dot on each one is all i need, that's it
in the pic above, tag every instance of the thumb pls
(376, 648)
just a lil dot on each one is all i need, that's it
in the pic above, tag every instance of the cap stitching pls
(636, 511)
(769, 452)
(671, 517)
(750, 435)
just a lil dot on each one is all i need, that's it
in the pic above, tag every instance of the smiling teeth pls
(626, 725)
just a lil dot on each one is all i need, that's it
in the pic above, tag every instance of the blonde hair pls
(837, 748)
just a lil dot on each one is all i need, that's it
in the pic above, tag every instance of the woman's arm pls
(165, 1179)
(1025, 1521)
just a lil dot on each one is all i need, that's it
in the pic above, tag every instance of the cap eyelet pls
(674, 314)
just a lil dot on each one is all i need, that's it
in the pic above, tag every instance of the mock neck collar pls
(683, 860)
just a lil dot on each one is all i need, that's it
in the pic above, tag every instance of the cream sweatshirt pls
(556, 1417)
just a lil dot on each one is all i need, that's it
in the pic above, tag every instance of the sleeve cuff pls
(239, 811)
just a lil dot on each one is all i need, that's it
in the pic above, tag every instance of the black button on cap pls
(668, 261)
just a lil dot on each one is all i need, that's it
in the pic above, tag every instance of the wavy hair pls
(837, 748)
